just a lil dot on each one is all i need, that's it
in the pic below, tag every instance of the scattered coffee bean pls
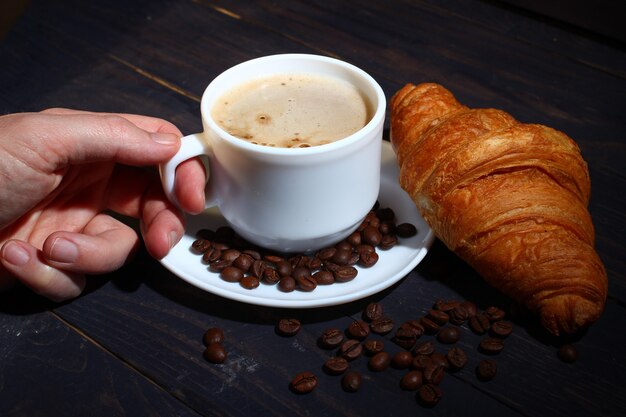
(345, 273)
(371, 235)
(358, 329)
(243, 262)
(323, 277)
(215, 353)
(350, 349)
(449, 335)
(351, 381)
(424, 348)
(438, 316)
(249, 282)
(491, 345)
(331, 338)
(480, 324)
(379, 362)
(373, 346)
(501, 328)
(430, 327)
(219, 265)
(304, 382)
(213, 335)
(387, 242)
(283, 268)
(402, 359)
(470, 308)
(373, 311)
(231, 274)
(406, 230)
(420, 362)
(459, 314)
(368, 259)
(288, 327)
(287, 284)
(306, 283)
(446, 305)
(439, 358)
(382, 325)
(457, 358)
(486, 369)
(336, 365)
(411, 381)
(201, 245)
(429, 395)
(568, 353)
(433, 373)
(495, 313)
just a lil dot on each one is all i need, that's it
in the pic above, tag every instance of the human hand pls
(60, 171)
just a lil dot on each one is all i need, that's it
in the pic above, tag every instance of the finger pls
(25, 263)
(83, 137)
(105, 245)
(189, 185)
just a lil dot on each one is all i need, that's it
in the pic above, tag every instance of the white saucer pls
(393, 264)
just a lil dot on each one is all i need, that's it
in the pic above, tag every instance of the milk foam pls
(292, 110)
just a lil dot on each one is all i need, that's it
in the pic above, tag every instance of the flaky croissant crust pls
(509, 198)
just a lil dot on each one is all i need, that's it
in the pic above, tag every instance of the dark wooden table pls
(131, 345)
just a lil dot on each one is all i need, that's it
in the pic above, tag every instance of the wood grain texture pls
(133, 341)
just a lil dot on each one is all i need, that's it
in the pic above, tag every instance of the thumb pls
(72, 137)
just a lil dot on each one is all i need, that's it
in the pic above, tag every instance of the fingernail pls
(15, 254)
(63, 250)
(164, 138)
(173, 239)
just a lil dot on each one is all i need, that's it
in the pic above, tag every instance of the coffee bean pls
(230, 255)
(215, 353)
(287, 284)
(274, 259)
(470, 308)
(255, 254)
(387, 242)
(501, 328)
(342, 256)
(449, 335)
(301, 272)
(231, 274)
(201, 245)
(406, 230)
(219, 265)
(440, 359)
(326, 253)
(373, 311)
(270, 276)
(425, 348)
(258, 268)
(351, 381)
(420, 362)
(331, 338)
(300, 261)
(249, 282)
(438, 316)
(382, 325)
(358, 329)
(387, 228)
(457, 358)
(323, 277)
(480, 324)
(430, 327)
(284, 268)
(446, 305)
(213, 335)
(458, 315)
(373, 346)
(385, 214)
(244, 262)
(495, 313)
(350, 349)
(429, 395)
(486, 369)
(211, 255)
(306, 283)
(367, 259)
(371, 236)
(343, 245)
(354, 239)
(411, 381)
(336, 365)
(379, 362)
(433, 373)
(345, 273)
(491, 345)
(288, 327)
(402, 359)
(304, 382)
(363, 248)
(568, 353)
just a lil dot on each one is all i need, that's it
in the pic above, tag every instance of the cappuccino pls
(292, 110)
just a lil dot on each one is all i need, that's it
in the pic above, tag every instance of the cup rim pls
(377, 117)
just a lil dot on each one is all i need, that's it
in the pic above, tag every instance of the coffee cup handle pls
(190, 147)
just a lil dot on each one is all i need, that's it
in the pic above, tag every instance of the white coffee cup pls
(288, 199)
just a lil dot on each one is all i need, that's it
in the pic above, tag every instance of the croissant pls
(508, 198)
